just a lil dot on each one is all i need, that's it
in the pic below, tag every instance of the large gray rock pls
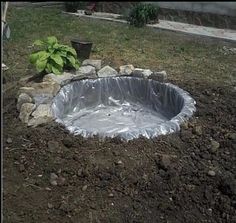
(139, 72)
(49, 88)
(126, 69)
(95, 63)
(62, 79)
(42, 99)
(159, 76)
(41, 115)
(23, 98)
(107, 71)
(34, 122)
(25, 111)
(43, 110)
(26, 90)
(25, 80)
(85, 72)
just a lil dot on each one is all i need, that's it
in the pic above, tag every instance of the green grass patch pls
(182, 57)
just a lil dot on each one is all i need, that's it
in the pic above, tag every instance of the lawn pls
(165, 179)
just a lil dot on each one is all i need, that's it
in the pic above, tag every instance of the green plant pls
(142, 14)
(55, 57)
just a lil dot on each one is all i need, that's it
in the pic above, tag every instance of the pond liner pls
(125, 107)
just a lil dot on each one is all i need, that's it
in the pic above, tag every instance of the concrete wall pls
(221, 8)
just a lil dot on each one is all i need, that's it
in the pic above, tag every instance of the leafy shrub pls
(74, 6)
(142, 14)
(54, 58)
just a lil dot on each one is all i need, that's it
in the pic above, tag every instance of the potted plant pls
(54, 57)
(82, 48)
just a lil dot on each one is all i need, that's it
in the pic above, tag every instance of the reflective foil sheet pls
(126, 107)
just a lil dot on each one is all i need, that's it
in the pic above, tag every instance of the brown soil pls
(160, 180)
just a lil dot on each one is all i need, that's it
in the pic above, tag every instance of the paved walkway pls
(223, 34)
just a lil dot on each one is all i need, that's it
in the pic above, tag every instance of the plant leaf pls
(39, 43)
(57, 58)
(43, 55)
(62, 53)
(56, 69)
(51, 40)
(77, 65)
(33, 57)
(72, 51)
(71, 59)
(69, 49)
(48, 68)
(40, 65)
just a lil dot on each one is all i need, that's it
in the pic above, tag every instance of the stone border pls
(34, 99)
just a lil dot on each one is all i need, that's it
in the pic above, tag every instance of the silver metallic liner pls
(127, 107)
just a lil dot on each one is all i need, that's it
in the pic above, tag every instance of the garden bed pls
(50, 175)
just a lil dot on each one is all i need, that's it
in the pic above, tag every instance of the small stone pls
(41, 115)
(126, 69)
(21, 167)
(86, 71)
(50, 206)
(147, 73)
(139, 72)
(95, 63)
(84, 188)
(214, 146)
(42, 99)
(45, 87)
(23, 98)
(26, 90)
(197, 130)
(61, 181)
(115, 153)
(80, 172)
(62, 79)
(159, 76)
(119, 162)
(9, 140)
(107, 71)
(25, 80)
(48, 188)
(68, 142)
(53, 146)
(42, 88)
(111, 195)
(232, 136)
(34, 122)
(164, 162)
(53, 182)
(53, 179)
(25, 112)
(211, 173)
(228, 184)
(43, 110)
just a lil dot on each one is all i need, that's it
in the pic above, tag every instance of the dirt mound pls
(52, 176)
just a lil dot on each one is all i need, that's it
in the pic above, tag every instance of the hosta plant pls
(53, 57)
